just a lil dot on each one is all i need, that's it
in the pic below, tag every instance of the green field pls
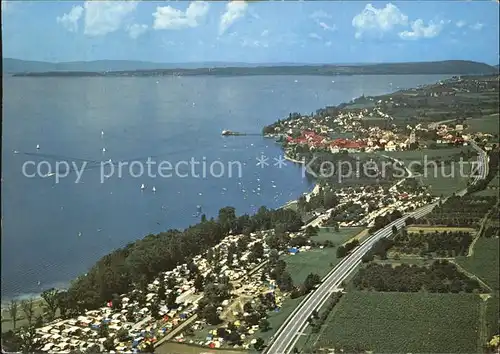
(486, 124)
(404, 322)
(319, 261)
(441, 180)
(338, 238)
(484, 261)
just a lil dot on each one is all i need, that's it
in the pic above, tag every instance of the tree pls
(341, 252)
(50, 297)
(29, 310)
(38, 321)
(122, 335)
(259, 344)
(311, 231)
(29, 341)
(209, 313)
(273, 257)
(13, 307)
(198, 283)
(247, 307)
(155, 310)
(264, 325)
(162, 291)
(109, 344)
(103, 331)
(285, 282)
(171, 300)
(311, 281)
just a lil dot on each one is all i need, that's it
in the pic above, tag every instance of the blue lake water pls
(53, 232)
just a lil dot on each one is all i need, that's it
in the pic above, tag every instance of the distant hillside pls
(107, 68)
(11, 66)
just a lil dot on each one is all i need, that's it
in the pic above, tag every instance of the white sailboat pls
(103, 149)
(102, 132)
(37, 146)
(143, 186)
(154, 189)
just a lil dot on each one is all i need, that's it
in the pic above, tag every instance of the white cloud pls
(103, 17)
(377, 21)
(477, 26)
(328, 44)
(319, 14)
(167, 17)
(327, 27)
(136, 30)
(234, 11)
(70, 20)
(420, 30)
(264, 33)
(315, 36)
(461, 24)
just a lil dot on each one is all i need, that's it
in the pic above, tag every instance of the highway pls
(288, 334)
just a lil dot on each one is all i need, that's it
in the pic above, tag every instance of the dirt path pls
(471, 275)
(483, 326)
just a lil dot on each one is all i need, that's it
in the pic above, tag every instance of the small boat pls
(103, 149)
(37, 147)
(102, 132)
(143, 186)
(154, 189)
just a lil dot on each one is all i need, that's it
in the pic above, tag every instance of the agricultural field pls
(441, 180)
(485, 124)
(484, 261)
(404, 322)
(492, 189)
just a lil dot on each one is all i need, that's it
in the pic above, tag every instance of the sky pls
(252, 31)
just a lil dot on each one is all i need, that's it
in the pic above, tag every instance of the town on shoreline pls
(231, 282)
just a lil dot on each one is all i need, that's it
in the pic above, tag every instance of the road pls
(288, 334)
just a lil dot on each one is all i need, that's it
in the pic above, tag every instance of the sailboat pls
(154, 189)
(143, 186)
(103, 149)
(37, 146)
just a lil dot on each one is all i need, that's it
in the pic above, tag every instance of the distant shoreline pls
(448, 67)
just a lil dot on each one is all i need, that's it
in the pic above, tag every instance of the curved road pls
(289, 332)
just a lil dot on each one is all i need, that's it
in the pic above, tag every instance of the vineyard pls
(404, 322)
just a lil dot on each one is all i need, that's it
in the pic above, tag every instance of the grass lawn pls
(404, 322)
(338, 238)
(484, 261)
